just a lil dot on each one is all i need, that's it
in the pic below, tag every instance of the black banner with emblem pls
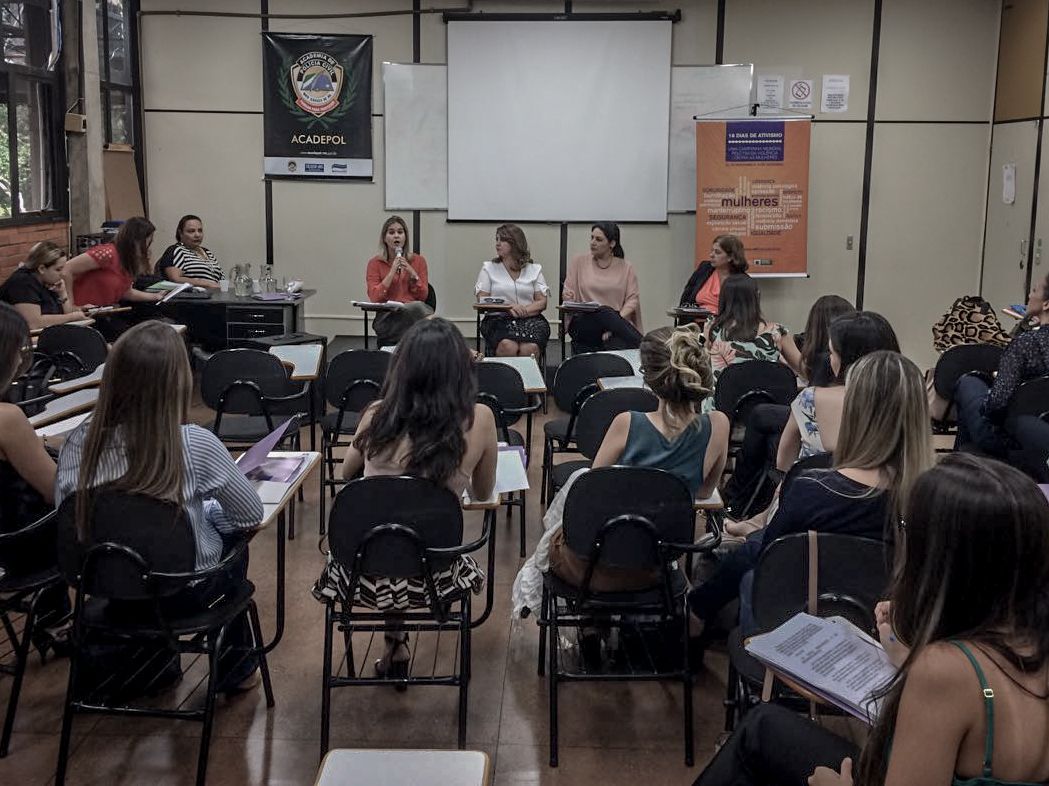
(317, 105)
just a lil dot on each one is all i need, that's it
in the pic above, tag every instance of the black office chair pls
(245, 387)
(595, 416)
(431, 296)
(353, 380)
(956, 362)
(633, 518)
(852, 575)
(401, 528)
(742, 386)
(73, 350)
(28, 569)
(501, 388)
(574, 381)
(140, 552)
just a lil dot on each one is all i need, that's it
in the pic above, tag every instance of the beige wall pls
(928, 178)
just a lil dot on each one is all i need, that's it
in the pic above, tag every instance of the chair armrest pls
(238, 548)
(28, 529)
(577, 405)
(465, 548)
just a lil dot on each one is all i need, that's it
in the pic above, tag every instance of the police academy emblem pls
(317, 80)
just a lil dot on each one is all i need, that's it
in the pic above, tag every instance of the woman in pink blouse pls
(604, 276)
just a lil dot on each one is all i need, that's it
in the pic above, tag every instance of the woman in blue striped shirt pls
(138, 439)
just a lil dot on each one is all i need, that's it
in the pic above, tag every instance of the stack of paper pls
(830, 658)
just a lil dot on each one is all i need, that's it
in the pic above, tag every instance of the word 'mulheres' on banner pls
(752, 180)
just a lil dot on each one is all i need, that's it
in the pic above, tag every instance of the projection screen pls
(558, 120)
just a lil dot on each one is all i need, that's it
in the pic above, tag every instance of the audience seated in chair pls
(428, 425)
(138, 441)
(968, 596)
(811, 424)
(884, 442)
(675, 438)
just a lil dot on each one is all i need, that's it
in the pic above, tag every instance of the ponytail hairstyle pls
(675, 364)
(43, 255)
(737, 258)
(132, 242)
(515, 236)
(611, 233)
(972, 563)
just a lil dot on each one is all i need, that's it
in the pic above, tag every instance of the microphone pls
(397, 251)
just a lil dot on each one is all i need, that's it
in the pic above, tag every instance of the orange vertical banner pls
(752, 180)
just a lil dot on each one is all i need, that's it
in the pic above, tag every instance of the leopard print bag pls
(971, 320)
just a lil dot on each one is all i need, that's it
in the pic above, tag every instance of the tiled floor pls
(610, 733)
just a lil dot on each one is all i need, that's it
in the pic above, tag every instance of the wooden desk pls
(684, 315)
(527, 368)
(89, 381)
(611, 383)
(373, 308)
(62, 427)
(633, 357)
(64, 406)
(280, 512)
(303, 359)
(486, 308)
(225, 321)
(80, 322)
(357, 767)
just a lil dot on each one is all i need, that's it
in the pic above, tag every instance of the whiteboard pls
(415, 98)
(416, 129)
(697, 90)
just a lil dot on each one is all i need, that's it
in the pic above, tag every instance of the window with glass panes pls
(113, 18)
(31, 166)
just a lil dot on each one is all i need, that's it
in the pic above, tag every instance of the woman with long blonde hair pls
(884, 443)
(137, 441)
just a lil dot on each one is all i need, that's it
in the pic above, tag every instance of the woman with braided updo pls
(676, 438)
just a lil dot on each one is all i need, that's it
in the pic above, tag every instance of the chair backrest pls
(78, 343)
(30, 549)
(600, 495)
(224, 370)
(1030, 398)
(505, 385)
(355, 377)
(433, 513)
(852, 577)
(578, 371)
(600, 410)
(742, 386)
(815, 461)
(131, 536)
(431, 296)
(961, 360)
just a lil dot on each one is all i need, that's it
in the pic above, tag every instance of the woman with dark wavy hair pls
(426, 424)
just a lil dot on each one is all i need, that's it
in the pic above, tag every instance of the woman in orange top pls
(397, 275)
(704, 287)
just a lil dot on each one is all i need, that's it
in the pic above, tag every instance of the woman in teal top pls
(676, 437)
(968, 627)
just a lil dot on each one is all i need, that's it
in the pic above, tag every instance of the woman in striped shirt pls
(138, 440)
(188, 261)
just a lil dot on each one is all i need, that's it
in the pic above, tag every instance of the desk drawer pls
(256, 316)
(236, 330)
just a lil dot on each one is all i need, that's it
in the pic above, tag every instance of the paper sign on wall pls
(770, 91)
(835, 93)
(1008, 183)
(799, 95)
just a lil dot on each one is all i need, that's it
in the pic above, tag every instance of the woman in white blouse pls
(518, 281)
